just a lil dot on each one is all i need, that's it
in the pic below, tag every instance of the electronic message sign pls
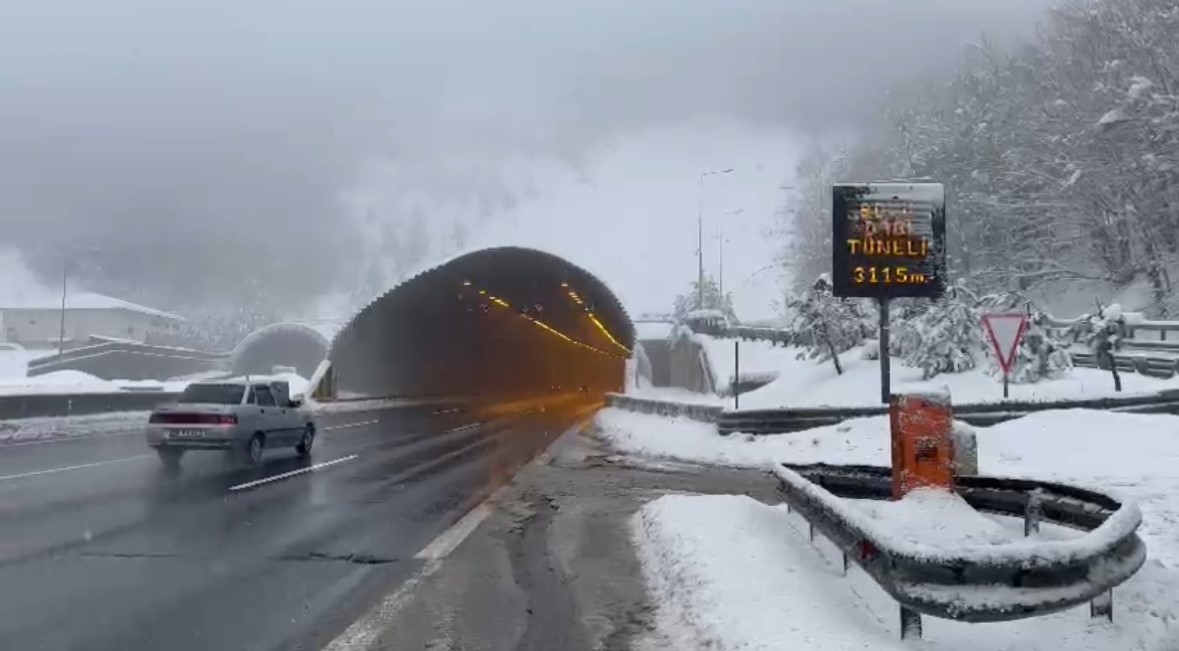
(888, 240)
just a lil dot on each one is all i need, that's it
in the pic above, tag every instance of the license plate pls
(187, 433)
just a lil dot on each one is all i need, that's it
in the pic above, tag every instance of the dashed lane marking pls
(350, 425)
(285, 475)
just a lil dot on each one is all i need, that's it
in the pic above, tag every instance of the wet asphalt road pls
(103, 549)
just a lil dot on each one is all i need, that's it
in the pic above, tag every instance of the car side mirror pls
(296, 402)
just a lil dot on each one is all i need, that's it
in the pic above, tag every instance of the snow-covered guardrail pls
(705, 413)
(975, 582)
(778, 421)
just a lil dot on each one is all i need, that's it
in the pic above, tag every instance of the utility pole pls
(700, 237)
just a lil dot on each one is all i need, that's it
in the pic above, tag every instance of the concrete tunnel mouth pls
(495, 324)
(302, 345)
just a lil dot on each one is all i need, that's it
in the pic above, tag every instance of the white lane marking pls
(300, 471)
(78, 467)
(443, 545)
(348, 425)
(364, 631)
(463, 428)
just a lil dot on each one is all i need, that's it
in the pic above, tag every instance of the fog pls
(208, 154)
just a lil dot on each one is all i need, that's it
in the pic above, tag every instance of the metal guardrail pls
(39, 405)
(780, 421)
(704, 413)
(983, 583)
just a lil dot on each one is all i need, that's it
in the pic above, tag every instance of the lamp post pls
(720, 253)
(65, 274)
(700, 237)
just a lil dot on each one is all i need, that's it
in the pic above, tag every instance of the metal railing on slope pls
(982, 583)
(1134, 355)
(782, 421)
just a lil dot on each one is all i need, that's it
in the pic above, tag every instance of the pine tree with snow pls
(1041, 354)
(830, 325)
(946, 337)
(1104, 333)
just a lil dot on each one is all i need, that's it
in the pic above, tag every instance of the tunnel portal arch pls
(299, 344)
(496, 322)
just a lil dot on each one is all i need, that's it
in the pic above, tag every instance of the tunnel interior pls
(496, 324)
(281, 344)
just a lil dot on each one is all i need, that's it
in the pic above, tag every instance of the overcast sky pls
(230, 128)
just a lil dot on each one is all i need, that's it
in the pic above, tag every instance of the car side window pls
(265, 397)
(251, 399)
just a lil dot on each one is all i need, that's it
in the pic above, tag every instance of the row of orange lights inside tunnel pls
(547, 328)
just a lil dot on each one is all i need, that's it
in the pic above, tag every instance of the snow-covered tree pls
(946, 337)
(713, 300)
(830, 325)
(1041, 355)
(1058, 155)
(1104, 332)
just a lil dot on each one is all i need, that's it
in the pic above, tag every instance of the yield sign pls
(1004, 332)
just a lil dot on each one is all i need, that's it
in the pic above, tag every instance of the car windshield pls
(214, 394)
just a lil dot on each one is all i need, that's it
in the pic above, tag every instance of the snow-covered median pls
(730, 573)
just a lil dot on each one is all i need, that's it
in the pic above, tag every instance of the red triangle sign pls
(1004, 332)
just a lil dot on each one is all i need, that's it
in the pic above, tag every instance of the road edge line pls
(363, 632)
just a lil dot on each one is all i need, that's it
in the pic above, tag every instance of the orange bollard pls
(922, 445)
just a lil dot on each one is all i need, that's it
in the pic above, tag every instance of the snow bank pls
(722, 568)
(34, 429)
(807, 383)
(861, 440)
(730, 573)
(757, 358)
(60, 382)
(15, 363)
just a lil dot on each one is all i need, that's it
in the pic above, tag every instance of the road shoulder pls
(553, 566)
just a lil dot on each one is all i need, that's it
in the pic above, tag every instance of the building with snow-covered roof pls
(36, 321)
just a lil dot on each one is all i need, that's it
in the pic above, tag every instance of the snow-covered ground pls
(810, 383)
(79, 382)
(731, 573)
(37, 429)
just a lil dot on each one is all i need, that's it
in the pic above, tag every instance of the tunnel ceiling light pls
(599, 324)
(547, 328)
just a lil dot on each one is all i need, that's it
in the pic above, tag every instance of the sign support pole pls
(736, 373)
(885, 364)
(1005, 377)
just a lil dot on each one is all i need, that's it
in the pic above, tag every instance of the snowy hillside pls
(625, 210)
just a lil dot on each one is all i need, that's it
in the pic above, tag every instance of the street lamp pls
(66, 257)
(720, 236)
(700, 236)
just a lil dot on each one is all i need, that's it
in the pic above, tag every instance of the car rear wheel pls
(305, 443)
(170, 457)
(252, 452)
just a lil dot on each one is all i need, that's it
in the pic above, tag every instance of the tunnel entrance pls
(301, 345)
(496, 324)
